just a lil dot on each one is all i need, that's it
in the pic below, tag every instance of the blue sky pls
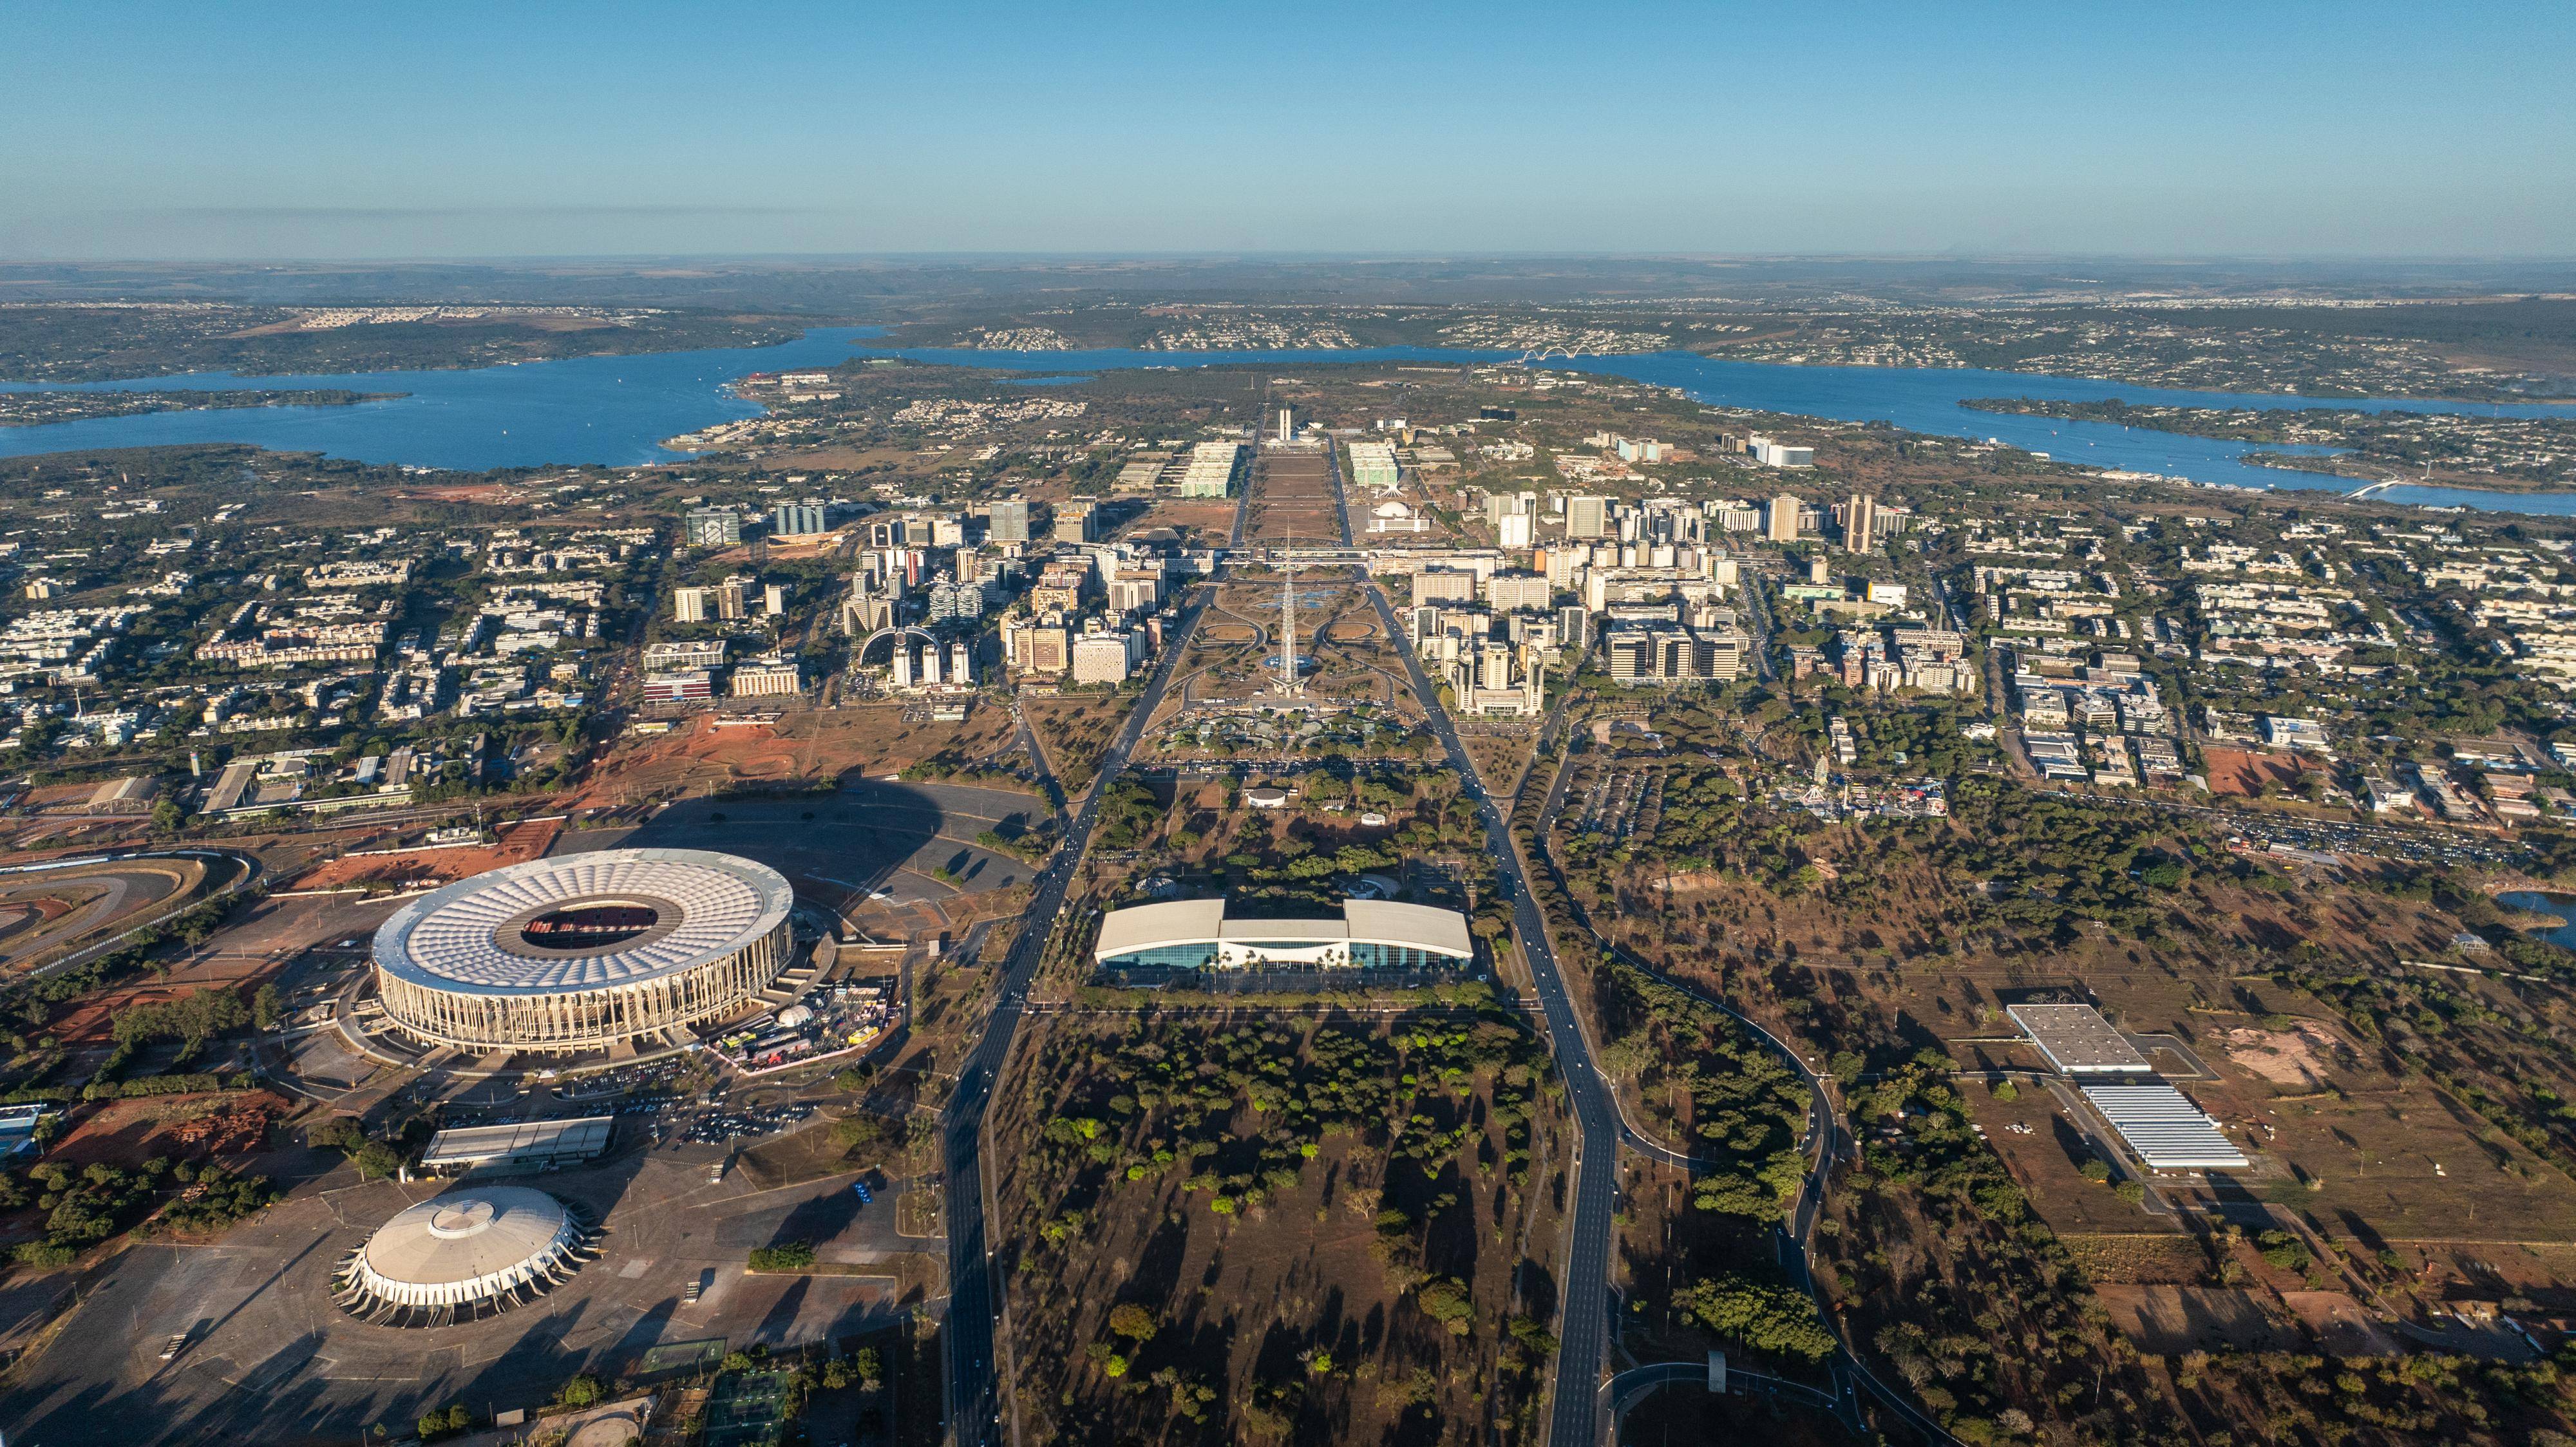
(250, 130)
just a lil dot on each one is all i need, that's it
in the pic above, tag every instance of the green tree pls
(1133, 1322)
(1763, 1315)
(582, 1391)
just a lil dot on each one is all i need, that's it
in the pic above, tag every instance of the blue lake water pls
(617, 410)
(2560, 905)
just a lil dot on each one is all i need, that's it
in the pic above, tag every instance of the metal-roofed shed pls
(2164, 1128)
(523, 1145)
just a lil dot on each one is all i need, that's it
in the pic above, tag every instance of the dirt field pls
(1076, 730)
(1291, 498)
(412, 868)
(124, 1133)
(2168, 1320)
(702, 758)
(2244, 774)
(1199, 521)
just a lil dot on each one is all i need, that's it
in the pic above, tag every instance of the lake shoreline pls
(616, 410)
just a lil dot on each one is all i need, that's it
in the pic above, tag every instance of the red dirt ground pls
(126, 1132)
(515, 845)
(2235, 771)
(491, 492)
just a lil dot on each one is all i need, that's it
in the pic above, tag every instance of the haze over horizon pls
(277, 131)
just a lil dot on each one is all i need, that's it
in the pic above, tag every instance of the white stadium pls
(462, 1256)
(585, 952)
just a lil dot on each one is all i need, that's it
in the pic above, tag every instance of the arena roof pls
(1204, 921)
(457, 1246)
(470, 936)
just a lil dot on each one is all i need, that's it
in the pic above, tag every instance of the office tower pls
(1008, 521)
(1784, 519)
(1587, 517)
(1860, 524)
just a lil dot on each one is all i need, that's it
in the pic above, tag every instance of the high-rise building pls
(1514, 592)
(1783, 521)
(1008, 521)
(1100, 658)
(775, 599)
(1287, 425)
(1075, 522)
(766, 678)
(713, 527)
(1373, 465)
(1587, 517)
(1574, 627)
(1514, 530)
(797, 519)
(689, 605)
(1210, 472)
(1860, 524)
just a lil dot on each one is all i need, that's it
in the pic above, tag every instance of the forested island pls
(35, 409)
(2485, 451)
(73, 342)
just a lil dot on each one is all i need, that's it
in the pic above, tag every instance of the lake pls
(2561, 906)
(617, 410)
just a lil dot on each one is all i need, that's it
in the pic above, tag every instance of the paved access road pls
(1584, 1294)
(974, 1406)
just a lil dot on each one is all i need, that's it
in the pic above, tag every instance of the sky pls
(251, 131)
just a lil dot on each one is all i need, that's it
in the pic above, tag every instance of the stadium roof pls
(469, 936)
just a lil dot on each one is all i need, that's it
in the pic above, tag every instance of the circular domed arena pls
(584, 952)
(464, 1256)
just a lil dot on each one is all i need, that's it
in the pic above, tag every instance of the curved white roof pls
(1204, 921)
(466, 1244)
(461, 938)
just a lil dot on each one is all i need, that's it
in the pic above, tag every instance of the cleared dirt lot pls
(705, 757)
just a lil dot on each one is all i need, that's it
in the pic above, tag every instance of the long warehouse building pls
(2167, 1131)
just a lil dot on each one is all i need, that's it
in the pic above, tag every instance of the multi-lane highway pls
(1584, 1294)
(974, 1404)
(975, 1409)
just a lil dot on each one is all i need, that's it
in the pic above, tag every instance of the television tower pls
(1290, 683)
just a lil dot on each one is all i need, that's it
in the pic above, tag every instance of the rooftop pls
(2078, 1041)
(1363, 921)
(583, 921)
